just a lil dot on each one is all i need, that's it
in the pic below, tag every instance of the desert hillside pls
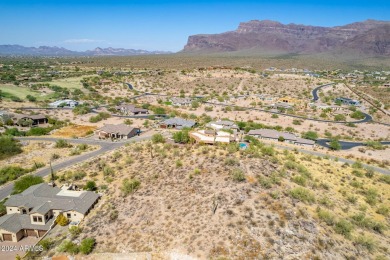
(219, 202)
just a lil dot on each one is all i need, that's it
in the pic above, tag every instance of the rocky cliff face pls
(274, 36)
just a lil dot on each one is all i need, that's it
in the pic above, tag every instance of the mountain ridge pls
(19, 50)
(268, 35)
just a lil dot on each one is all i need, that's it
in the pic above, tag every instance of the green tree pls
(62, 220)
(25, 182)
(31, 98)
(182, 136)
(310, 135)
(334, 145)
(91, 186)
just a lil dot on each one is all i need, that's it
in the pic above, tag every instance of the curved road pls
(105, 146)
(345, 145)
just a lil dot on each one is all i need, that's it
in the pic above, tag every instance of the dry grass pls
(74, 131)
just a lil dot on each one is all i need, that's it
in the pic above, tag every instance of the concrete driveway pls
(9, 250)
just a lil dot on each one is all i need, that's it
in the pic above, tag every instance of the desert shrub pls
(385, 179)
(302, 194)
(129, 186)
(300, 180)
(38, 131)
(268, 150)
(344, 228)
(82, 147)
(371, 196)
(46, 244)
(107, 171)
(62, 144)
(78, 175)
(339, 117)
(55, 156)
(238, 175)
(25, 182)
(9, 147)
(179, 163)
(375, 145)
(326, 216)
(81, 109)
(68, 247)
(352, 199)
(369, 173)
(75, 231)
(310, 135)
(365, 241)
(13, 132)
(62, 220)
(265, 182)
(326, 202)
(383, 210)
(231, 162)
(114, 215)
(87, 245)
(358, 115)
(158, 138)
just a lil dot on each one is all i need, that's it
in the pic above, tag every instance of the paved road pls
(315, 91)
(343, 160)
(345, 145)
(105, 146)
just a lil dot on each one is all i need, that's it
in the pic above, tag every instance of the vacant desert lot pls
(207, 202)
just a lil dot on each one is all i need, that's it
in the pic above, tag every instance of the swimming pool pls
(243, 146)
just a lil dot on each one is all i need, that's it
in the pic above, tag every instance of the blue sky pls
(161, 25)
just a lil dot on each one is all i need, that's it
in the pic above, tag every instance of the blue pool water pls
(243, 145)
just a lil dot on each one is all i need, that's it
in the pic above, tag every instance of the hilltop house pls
(64, 103)
(131, 110)
(177, 123)
(121, 131)
(222, 124)
(211, 136)
(29, 120)
(33, 212)
(274, 135)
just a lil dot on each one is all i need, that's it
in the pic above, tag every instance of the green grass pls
(21, 92)
(70, 83)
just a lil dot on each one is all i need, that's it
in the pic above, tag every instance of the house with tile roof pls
(271, 134)
(222, 124)
(120, 131)
(33, 212)
(177, 123)
(128, 109)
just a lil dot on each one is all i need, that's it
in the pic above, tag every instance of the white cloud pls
(81, 41)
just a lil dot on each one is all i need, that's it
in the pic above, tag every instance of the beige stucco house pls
(33, 212)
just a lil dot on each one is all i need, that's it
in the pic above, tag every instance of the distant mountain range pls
(368, 38)
(18, 50)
